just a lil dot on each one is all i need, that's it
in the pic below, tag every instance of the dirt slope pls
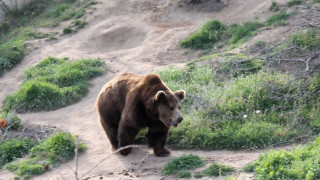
(136, 36)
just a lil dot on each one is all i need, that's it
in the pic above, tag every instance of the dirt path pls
(136, 36)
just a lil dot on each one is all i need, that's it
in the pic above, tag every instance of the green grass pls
(205, 37)
(53, 83)
(13, 149)
(238, 106)
(67, 30)
(182, 163)
(21, 26)
(274, 7)
(57, 148)
(216, 169)
(279, 19)
(240, 33)
(309, 39)
(301, 163)
(295, 2)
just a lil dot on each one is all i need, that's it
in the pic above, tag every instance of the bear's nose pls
(180, 119)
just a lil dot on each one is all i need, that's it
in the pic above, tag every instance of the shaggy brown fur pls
(130, 102)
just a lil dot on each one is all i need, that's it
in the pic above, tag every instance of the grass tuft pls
(216, 169)
(279, 19)
(274, 7)
(309, 39)
(54, 150)
(295, 2)
(182, 163)
(205, 37)
(53, 83)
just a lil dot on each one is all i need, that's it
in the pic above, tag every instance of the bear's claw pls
(161, 153)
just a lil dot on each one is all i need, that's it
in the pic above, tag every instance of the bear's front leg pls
(157, 137)
(126, 137)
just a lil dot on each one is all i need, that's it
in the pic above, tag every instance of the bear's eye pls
(172, 109)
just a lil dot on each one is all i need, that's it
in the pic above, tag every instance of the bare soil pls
(138, 36)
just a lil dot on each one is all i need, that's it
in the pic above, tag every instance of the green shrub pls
(57, 148)
(274, 7)
(240, 33)
(278, 19)
(67, 30)
(53, 83)
(295, 2)
(205, 37)
(184, 162)
(300, 163)
(309, 39)
(13, 149)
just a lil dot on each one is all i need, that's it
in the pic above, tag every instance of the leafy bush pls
(300, 163)
(184, 174)
(205, 37)
(182, 163)
(278, 19)
(57, 148)
(53, 83)
(13, 149)
(309, 39)
(240, 33)
(216, 169)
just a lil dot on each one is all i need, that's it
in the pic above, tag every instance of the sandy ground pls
(138, 36)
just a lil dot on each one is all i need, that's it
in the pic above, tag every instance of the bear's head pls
(168, 105)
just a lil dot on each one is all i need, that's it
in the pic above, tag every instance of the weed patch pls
(205, 37)
(56, 149)
(274, 7)
(309, 39)
(216, 169)
(53, 83)
(240, 33)
(182, 163)
(13, 149)
(295, 2)
(279, 19)
(299, 163)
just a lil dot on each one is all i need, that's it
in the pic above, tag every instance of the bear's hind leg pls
(112, 132)
(126, 137)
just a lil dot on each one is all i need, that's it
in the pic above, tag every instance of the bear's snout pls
(179, 119)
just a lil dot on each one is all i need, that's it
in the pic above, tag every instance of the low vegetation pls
(21, 25)
(13, 149)
(216, 169)
(274, 7)
(295, 2)
(205, 37)
(180, 164)
(235, 102)
(57, 148)
(214, 31)
(53, 83)
(301, 163)
(279, 19)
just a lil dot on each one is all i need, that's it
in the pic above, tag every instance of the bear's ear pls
(181, 94)
(159, 96)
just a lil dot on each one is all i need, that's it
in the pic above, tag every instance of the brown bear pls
(130, 102)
